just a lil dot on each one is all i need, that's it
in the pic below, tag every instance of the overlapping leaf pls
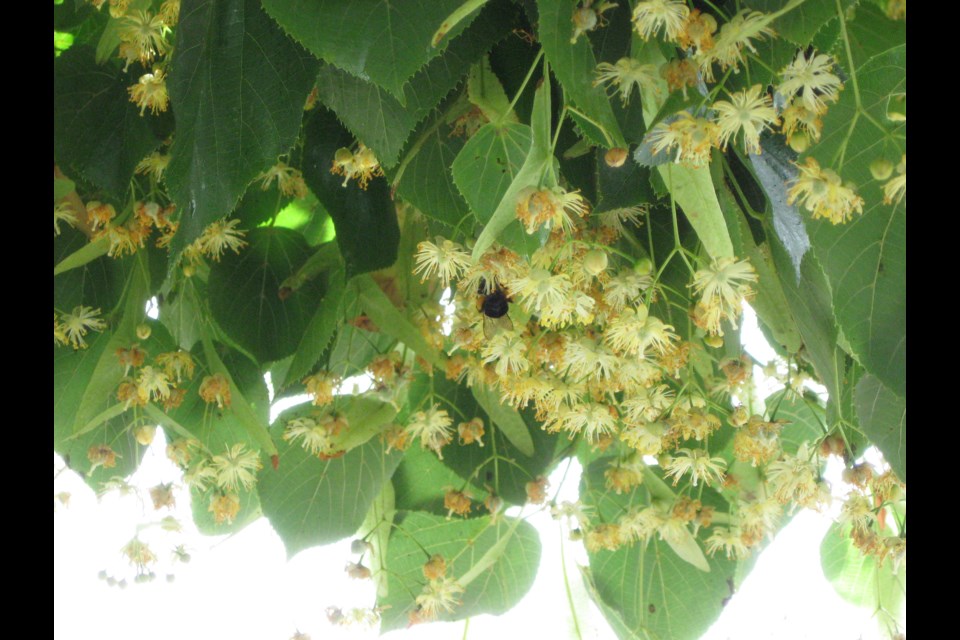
(387, 42)
(237, 85)
(883, 417)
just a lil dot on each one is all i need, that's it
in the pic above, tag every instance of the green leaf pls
(62, 187)
(204, 519)
(319, 332)
(355, 211)
(366, 417)
(392, 321)
(880, 591)
(97, 132)
(427, 182)
(798, 25)
(384, 123)
(385, 41)
(883, 417)
(805, 420)
(870, 33)
(654, 592)
(311, 501)
(96, 283)
(574, 65)
(237, 85)
(181, 312)
(538, 160)
(245, 298)
(865, 259)
(110, 39)
(420, 480)
(500, 559)
(620, 187)
(485, 91)
(376, 530)
(505, 418)
(488, 163)
(499, 465)
(85, 254)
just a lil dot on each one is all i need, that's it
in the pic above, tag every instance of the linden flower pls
(692, 137)
(444, 259)
(153, 165)
(626, 74)
(76, 324)
(798, 119)
(698, 463)
(215, 388)
(556, 207)
(734, 37)
(722, 287)
(224, 508)
(150, 92)
(541, 289)
(438, 596)
(506, 350)
(321, 386)
(289, 180)
(811, 80)
(587, 358)
(796, 478)
(101, 455)
(138, 553)
(896, 187)
(750, 111)
(822, 193)
(63, 212)
(153, 384)
(730, 541)
(633, 331)
(587, 18)
(595, 420)
(433, 428)
(650, 16)
(146, 34)
(698, 30)
(236, 468)
(679, 74)
(639, 524)
(177, 364)
(220, 236)
(362, 165)
(625, 288)
(316, 438)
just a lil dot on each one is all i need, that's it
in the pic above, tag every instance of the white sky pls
(242, 587)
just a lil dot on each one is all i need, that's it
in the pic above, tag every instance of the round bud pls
(360, 546)
(643, 266)
(143, 331)
(343, 155)
(714, 341)
(584, 19)
(799, 142)
(595, 262)
(188, 270)
(881, 169)
(144, 434)
(615, 157)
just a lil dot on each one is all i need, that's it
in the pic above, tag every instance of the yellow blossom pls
(626, 74)
(317, 438)
(750, 111)
(321, 386)
(736, 35)
(215, 388)
(456, 502)
(152, 384)
(236, 468)
(63, 212)
(289, 180)
(896, 187)
(177, 364)
(823, 194)
(432, 427)
(810, 78)
(101, 455)
(698, 30)
(77, 323)
(679, 74)
(443, 259)
(150, 92)
(698, 463)
(224, 507)
(693, 138)
(440, 595)
(220, 236)
(649, 16)
(798, 120)
(471, 432)
(154, 165)
(146, 34)
(722, 287)
(362, 165)
(555, 207)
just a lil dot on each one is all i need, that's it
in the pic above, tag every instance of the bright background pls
(243, 587)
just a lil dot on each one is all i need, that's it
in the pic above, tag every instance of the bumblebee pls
(493, 303)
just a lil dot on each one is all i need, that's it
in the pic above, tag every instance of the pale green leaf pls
(507, 419)
(883, 417)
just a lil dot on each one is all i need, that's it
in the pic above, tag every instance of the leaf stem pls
(523, 85)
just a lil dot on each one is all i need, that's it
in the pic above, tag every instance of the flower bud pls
(881, 169)
(615, 157)
(595, 262)
(799, 142)
(143, 331)
(144, 434)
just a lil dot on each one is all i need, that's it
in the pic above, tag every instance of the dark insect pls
(494, 305)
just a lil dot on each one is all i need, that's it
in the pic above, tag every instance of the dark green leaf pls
(237, 85)
(97, 132)
(870, 33)
(574, 65)
(245, 293)
(97, 283)
(378, 119)
(800, 24)
(427, 180)
(620, 187)
(311, 501)
(355, 211)
(497, 561)
(865, 259)
(420, 480)
(319, 332)
(384, 41)
(883, 417)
